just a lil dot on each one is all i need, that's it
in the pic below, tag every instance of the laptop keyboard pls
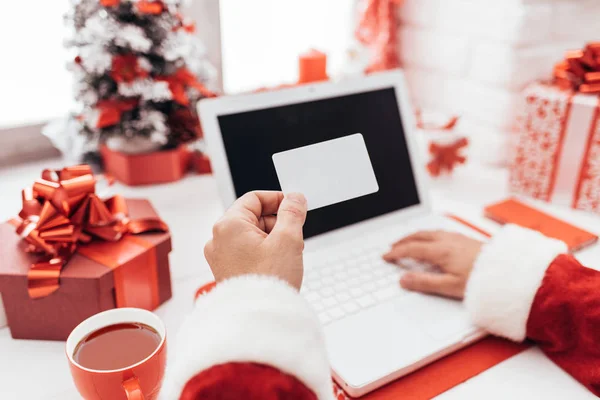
(348, 283)
(352, 277)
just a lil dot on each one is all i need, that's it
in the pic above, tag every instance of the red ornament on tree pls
(179, 81)
(110, 111)
(110, 3)
(125, 68)
(150, 7)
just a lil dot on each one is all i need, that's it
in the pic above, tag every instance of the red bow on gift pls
(62, 211)
(378, 29)
(580, 70)
(446, 157)
(179, 81)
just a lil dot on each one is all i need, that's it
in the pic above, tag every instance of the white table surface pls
(32, 369)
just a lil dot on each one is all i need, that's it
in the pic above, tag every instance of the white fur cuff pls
(506, 277)
(252, 319)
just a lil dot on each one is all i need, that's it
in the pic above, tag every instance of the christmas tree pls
(139, 72)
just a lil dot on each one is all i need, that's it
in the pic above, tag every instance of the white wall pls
(261, 39)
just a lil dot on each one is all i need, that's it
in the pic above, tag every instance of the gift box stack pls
(70, 254)
(473, 58)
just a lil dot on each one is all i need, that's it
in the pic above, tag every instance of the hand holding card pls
(329, 172)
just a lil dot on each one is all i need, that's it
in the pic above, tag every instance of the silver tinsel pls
(133, 37)
(95, 59)
(149, 90)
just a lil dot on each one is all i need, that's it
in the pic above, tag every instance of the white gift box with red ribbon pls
(556, 154)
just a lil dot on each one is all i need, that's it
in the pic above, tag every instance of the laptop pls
(350, 147)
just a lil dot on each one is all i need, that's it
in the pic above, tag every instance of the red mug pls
(140, 381)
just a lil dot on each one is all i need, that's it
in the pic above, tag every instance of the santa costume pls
(254, 337)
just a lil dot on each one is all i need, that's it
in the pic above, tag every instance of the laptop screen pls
(252, 138)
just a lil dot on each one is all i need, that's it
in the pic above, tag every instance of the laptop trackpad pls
(391, 336)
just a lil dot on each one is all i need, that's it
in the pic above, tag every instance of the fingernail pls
(297, 198)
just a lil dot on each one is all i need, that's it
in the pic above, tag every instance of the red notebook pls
(512, 211)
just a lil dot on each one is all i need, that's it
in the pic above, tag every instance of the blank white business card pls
(328, 172)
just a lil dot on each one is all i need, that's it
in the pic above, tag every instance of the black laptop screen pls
(251, 139)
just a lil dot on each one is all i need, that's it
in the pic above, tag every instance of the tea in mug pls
(116, 346)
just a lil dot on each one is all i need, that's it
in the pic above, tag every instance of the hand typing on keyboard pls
(349, 281)
(453, 253)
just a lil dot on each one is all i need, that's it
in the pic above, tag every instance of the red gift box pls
(556, 152)
(98, 255)
(147, 168)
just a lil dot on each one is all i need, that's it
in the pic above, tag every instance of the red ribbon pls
(60, 212)
(446, 157)
(580, 70)
(180, 81)
(378, 29)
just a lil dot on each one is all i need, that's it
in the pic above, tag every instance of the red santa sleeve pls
(252, 337)
(525, 285)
